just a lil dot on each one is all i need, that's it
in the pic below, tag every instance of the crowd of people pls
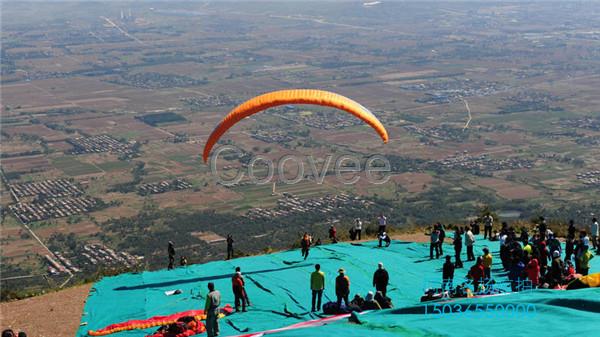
(530, 261)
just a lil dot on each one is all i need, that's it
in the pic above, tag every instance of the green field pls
(73, 167)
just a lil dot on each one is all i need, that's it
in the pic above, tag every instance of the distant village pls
(91, 255)
(164, 186)
(590, 178)
(99, 144)
(290, 204)
(481, 165)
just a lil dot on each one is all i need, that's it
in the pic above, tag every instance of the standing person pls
(434, 241)
(595, 234)
(229, 246)
(382, 223)
(317, 285)
(171, 250)
(457, 248)
(476, 273)
(358, 228)
(533, 271)
(211, 308)
(305, 245)
(543, 226)
(524, 238)
(584, 260)
(441, 238)
(381, 279)
(487, 263)
(469, 242)
(571, 230)
(488, 223)
(342, 287)
(447, 273)
(333, 234)
(239, 292)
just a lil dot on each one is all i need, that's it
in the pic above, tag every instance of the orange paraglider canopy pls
(294, 96)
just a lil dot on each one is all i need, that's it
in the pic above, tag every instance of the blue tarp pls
(280, 281)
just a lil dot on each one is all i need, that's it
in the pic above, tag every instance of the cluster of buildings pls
(96, 253)
(272, 136)
(48, 188)
(44, 209)
(581, 123)
(152, 80)
(441, 133)
(209, 101)
(482, 164)
(319, 120)
(58, 264)
(291, 205)
(591, 178)
(440, 92)
(98, 144)
(164, 186)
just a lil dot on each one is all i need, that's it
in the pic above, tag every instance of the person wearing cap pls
(381, 279)
(557, 269)
(317, 285)
(487, 263)
(211, 308)
(171, 250)
(239, 292)
(342, 287)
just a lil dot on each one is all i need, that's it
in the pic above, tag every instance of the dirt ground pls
(52, 315)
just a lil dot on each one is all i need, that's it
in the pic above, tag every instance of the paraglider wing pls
(295, 96)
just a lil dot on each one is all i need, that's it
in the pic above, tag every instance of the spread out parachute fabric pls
(293, 96)
(155, 321)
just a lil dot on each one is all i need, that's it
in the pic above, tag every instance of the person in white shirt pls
(469, 242)
(382, 223)
(357, 228)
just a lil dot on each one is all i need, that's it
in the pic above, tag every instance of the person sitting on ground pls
(495, 236)
(357, 301)
(370, 303)
(477, 273)
(383, 237)
(384, 301)
(515, 275)
(183, 261)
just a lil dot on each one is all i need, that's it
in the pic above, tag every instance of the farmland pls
(124, 114)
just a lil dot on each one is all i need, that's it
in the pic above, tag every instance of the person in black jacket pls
(381, 279)
(229, 246)
(447, 273)
(457, 248)
(171, 250)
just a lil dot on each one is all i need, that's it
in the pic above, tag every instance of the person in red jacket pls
(533, 271)
(477, 273)
(333, 234)
(239, 292)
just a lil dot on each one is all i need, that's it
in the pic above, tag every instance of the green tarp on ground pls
(280, 281)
